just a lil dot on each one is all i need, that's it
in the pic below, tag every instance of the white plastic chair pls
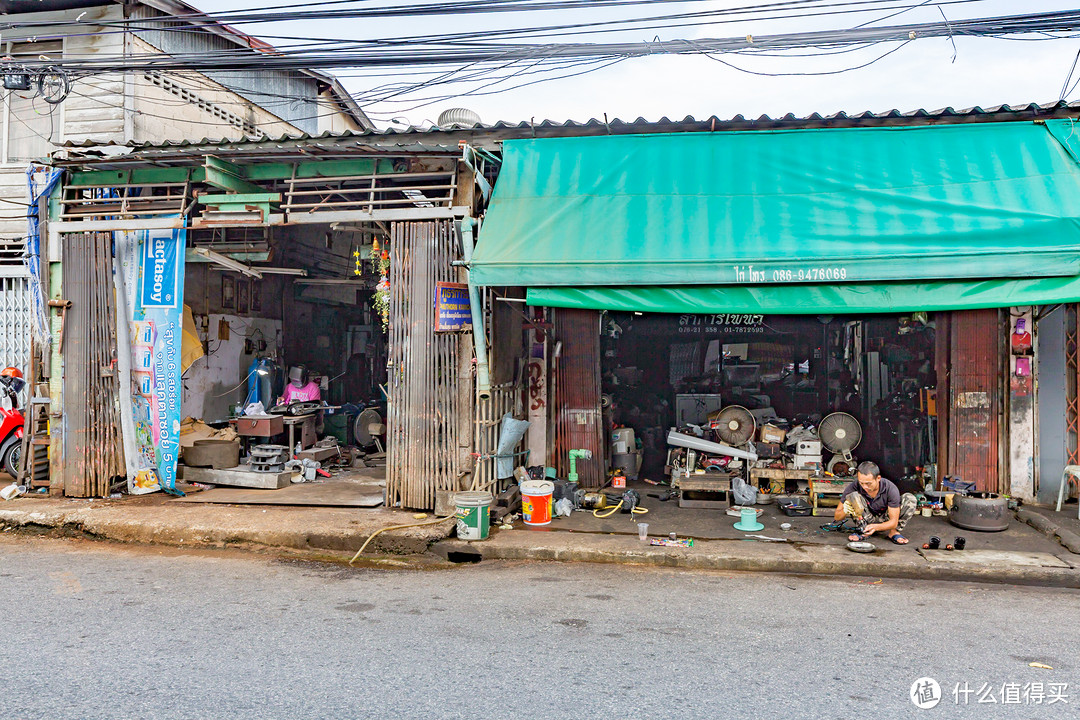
(1074, 472)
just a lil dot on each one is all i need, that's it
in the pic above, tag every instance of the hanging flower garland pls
(381, 259)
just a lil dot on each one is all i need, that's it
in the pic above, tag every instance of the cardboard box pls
(771, 434)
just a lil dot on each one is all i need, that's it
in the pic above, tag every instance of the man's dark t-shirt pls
(888, 496)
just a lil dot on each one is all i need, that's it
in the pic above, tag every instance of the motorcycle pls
(11, 421)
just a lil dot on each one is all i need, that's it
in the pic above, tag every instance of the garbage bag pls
(510, 435)
(745, 493)
(255, 408)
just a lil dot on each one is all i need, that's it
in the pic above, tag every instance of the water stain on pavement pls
(600, 597)
(357, 607)
(65, 584)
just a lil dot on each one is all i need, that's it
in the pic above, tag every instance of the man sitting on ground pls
(876, 503)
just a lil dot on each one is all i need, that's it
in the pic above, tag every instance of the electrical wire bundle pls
(421, 69)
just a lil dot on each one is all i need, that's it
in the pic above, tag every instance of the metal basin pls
(983, 512)
(217, 454)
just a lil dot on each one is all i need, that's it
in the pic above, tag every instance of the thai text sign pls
(453, 311)
(153, 270)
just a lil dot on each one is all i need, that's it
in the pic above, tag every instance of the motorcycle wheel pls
(11, 456)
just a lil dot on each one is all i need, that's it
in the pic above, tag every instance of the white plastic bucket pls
(473, 515)
(536, 501)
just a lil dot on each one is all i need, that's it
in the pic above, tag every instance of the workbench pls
(828, 487)
(307, 431)
(708, 491)
(777, 477)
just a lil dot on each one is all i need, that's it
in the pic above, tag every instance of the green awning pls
(971, 201)
(849, 298)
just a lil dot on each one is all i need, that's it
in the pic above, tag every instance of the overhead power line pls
(360, 55)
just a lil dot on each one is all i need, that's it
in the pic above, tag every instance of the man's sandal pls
(897, 537)
(857, 537)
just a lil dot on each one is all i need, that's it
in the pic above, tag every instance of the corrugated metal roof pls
(445, 139)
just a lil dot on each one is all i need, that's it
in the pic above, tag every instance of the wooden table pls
(307, 431)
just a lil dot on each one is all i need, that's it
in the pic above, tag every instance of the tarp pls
(816, 299)
(970, 201)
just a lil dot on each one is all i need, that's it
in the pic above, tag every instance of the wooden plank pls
(705, 483)
(238, 477)
(318, 494)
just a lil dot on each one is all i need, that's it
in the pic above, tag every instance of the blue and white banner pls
(162, 269)
(152, 263)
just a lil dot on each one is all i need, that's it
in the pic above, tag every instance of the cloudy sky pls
(923, 74)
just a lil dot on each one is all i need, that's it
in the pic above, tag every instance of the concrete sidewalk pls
(1005, 566)
(314, 532)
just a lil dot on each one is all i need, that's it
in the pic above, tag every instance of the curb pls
(1050, 528)
(183, 530)
(724, 555)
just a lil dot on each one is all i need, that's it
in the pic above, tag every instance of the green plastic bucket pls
(473, 515)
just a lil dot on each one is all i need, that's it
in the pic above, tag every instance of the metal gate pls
(1072, 382)
(974, 367)
(579, 420)
(425, 436)
(15, 318)
(93, 450)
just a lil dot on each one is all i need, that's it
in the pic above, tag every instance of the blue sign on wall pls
(453, 312)
(161, 257)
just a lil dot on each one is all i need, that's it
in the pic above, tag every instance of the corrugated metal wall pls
(93, 453)
(975, 398)
(578, 417)
(424, 372)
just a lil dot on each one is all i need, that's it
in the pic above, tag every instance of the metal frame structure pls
(415, 197)
(1072, 382)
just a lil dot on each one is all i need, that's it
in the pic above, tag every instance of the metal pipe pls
(689, 441)
(483, 377)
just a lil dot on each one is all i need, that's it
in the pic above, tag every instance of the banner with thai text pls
(152, 265)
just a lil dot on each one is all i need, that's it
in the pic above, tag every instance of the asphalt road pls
(99, 631)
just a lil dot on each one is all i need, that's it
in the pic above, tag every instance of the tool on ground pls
(629, 502)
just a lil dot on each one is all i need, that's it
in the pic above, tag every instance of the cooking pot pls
(985, 512)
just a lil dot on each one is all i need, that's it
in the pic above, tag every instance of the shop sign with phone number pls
(820, 273)
(724, 322)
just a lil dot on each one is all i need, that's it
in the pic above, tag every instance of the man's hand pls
(870, 529)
